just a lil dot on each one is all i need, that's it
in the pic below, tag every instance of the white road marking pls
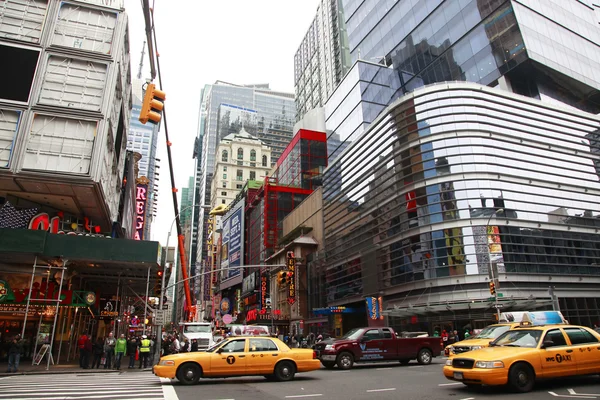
(469, 398)
(571, 391)
(381, 390)
(169, 391)
(382, 369)
(573, 397)
(450, 384)
(303, 395)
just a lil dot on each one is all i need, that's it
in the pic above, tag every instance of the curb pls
(83, 371)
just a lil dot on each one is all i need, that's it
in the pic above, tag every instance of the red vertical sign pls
(291, 275)
(141, 192)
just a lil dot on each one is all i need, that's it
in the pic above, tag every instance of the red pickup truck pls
(376, 344)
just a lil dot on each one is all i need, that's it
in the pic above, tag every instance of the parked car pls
(377, 344)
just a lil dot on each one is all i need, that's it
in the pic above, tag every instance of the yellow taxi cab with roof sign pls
(491, 332)
(528, 353)
(239, 356)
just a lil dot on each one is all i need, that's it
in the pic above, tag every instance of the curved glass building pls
(455, 185)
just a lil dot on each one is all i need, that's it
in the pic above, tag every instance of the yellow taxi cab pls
(237, 356)
(482, 339)
(528, 353)
(508, 320)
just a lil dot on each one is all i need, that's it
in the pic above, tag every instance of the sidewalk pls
(25, 368)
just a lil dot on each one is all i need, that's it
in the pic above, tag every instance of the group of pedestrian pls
(109, 351)
(172, 345)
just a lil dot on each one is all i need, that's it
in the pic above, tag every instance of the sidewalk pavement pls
(25, 368)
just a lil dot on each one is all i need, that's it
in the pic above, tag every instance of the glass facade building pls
(322, 59)
(223, 105)
(456, 179)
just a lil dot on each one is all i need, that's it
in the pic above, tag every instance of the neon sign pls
(264, 289)
(291, 273)
(43, 222)
(141, 191)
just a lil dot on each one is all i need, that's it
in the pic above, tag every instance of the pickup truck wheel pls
(285, 371)
(404, 362)
(521, 378)
(189, 374)
(424, 357)
(328, 364)
(345, 360)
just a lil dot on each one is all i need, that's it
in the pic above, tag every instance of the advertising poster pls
(232, 245)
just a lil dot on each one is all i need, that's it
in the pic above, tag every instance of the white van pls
(201, 331)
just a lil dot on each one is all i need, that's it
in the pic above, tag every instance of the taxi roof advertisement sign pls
(535, 317)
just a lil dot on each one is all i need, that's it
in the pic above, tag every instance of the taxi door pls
(262, 356)
(557, 357)
(587, 348)
(371, 345)
(229, 360)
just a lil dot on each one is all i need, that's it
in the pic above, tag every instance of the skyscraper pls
(270, 117)
(453, 185)
(322, 58)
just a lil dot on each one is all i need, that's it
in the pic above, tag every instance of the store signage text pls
(141, 192)
(262, 315)
(43, 222)
(264, 291)
(291, 270)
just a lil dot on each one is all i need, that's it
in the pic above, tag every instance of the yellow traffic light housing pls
(153, 105)
(282, 278)
(492, 288)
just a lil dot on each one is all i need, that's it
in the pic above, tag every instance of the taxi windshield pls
(519, 338)
(216, 346)
(492, 331)
(197, 329)
(353, 334)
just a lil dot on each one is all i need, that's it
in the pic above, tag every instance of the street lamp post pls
(493, 276)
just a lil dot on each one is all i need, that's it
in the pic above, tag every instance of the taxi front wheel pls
(188, 374)
(285, 371)
(521, 378)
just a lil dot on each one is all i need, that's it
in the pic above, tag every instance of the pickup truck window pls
(372, 334)
(387, 334)
(352, 334)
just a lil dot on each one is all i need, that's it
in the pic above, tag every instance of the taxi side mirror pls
(219, 351)
(547, 343)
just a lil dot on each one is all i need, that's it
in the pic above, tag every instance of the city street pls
(377, 381)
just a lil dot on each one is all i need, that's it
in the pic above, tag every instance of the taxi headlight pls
(166, 362)
(449, 362)
(476, 347)
(489, 364)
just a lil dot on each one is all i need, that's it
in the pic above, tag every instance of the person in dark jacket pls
(194, 345)
(87, 351)
(132, 345)
(97, 350)
(14, 353)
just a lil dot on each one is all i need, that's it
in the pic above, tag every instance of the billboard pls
(140, 210)
(232, 245)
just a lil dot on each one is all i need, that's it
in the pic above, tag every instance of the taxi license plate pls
(458, 375)
(328, 358)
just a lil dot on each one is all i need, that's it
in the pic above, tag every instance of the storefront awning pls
(96, 260)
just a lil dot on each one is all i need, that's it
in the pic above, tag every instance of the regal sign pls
(141, 197)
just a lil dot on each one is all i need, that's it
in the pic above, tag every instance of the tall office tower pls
(225, 107)
(322, 59)
(451, 186)
(64, 110)
(143, 139)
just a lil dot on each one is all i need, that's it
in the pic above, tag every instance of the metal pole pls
(62, 334)
(36, 339)
(28, 298)
(117, 306)
(492, 273)
(146, 300)
(62, 276)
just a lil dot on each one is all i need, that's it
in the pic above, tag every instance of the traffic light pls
(492, 288)
(159, 273)
(288, 278)
(282, 277)
(153, 105)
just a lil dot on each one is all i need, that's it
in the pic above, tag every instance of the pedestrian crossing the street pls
(109, 386)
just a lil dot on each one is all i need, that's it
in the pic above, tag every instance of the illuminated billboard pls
(232, 245)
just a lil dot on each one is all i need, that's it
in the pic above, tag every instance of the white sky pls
(201, 41)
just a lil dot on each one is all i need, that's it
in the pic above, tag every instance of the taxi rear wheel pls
(521, 378)
(189, 374)
(285, 371)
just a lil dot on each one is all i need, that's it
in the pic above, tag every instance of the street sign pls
(159, 317)
(165, 307)
(500, 294)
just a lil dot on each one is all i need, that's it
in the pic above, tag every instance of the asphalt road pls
(377, 382)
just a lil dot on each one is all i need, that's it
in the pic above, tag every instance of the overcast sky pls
(201, 41)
